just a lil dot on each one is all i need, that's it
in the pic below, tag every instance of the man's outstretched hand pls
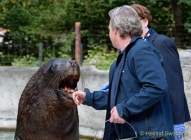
(78, 97)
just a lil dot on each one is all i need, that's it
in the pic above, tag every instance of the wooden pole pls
(77, 43)
(40, 53)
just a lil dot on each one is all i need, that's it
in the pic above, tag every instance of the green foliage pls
(187, 2)
(66, 43)
(17, 17)
(188, 24)
(25, 61)
(100, 57)
(51, 22)
(187, 14)
(92, 14)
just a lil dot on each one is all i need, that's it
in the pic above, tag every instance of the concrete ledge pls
(7, 124)
(89, 132)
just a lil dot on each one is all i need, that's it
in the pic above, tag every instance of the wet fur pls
(45, 111)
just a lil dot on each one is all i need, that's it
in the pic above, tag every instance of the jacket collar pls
(119, 68)
(133, 40)
(149, 34)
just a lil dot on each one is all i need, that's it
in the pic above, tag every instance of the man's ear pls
(146, 22)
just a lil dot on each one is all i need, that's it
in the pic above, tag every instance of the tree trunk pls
(77, 43)
(179, 25)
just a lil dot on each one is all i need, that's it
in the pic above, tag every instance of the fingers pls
(78, 97)
(75, 98)
(112, 110)
(115, 118)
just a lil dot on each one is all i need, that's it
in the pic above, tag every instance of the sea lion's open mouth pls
(66, 87)
(69, 84)
(69, 77)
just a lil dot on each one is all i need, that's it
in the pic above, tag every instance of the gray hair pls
(126, 20)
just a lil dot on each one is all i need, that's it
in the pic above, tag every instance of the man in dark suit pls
(137, 103)
(172, 68)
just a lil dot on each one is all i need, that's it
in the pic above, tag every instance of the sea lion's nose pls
(73, 63)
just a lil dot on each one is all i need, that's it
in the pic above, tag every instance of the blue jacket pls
(138, 88)
(173, 71)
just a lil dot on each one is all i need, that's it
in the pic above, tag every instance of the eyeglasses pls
(132, 131)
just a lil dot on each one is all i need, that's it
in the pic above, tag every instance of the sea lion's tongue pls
(69, 90)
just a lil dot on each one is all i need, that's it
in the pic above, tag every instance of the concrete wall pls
(13, 80)
(186, 67)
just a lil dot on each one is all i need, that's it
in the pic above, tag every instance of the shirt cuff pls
(122, 111)
(88, 98)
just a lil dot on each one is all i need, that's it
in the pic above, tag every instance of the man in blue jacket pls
(172, 68)
(137, 103)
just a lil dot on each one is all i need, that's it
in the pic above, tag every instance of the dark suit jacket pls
(173, 71)
(138, 89)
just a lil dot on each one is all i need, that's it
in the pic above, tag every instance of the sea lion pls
(46, 108)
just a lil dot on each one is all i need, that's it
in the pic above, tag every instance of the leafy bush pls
(100, 57)
(64, 45)
(25, 61)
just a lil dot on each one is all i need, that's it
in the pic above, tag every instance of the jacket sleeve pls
(148, 70)
(96, 99)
